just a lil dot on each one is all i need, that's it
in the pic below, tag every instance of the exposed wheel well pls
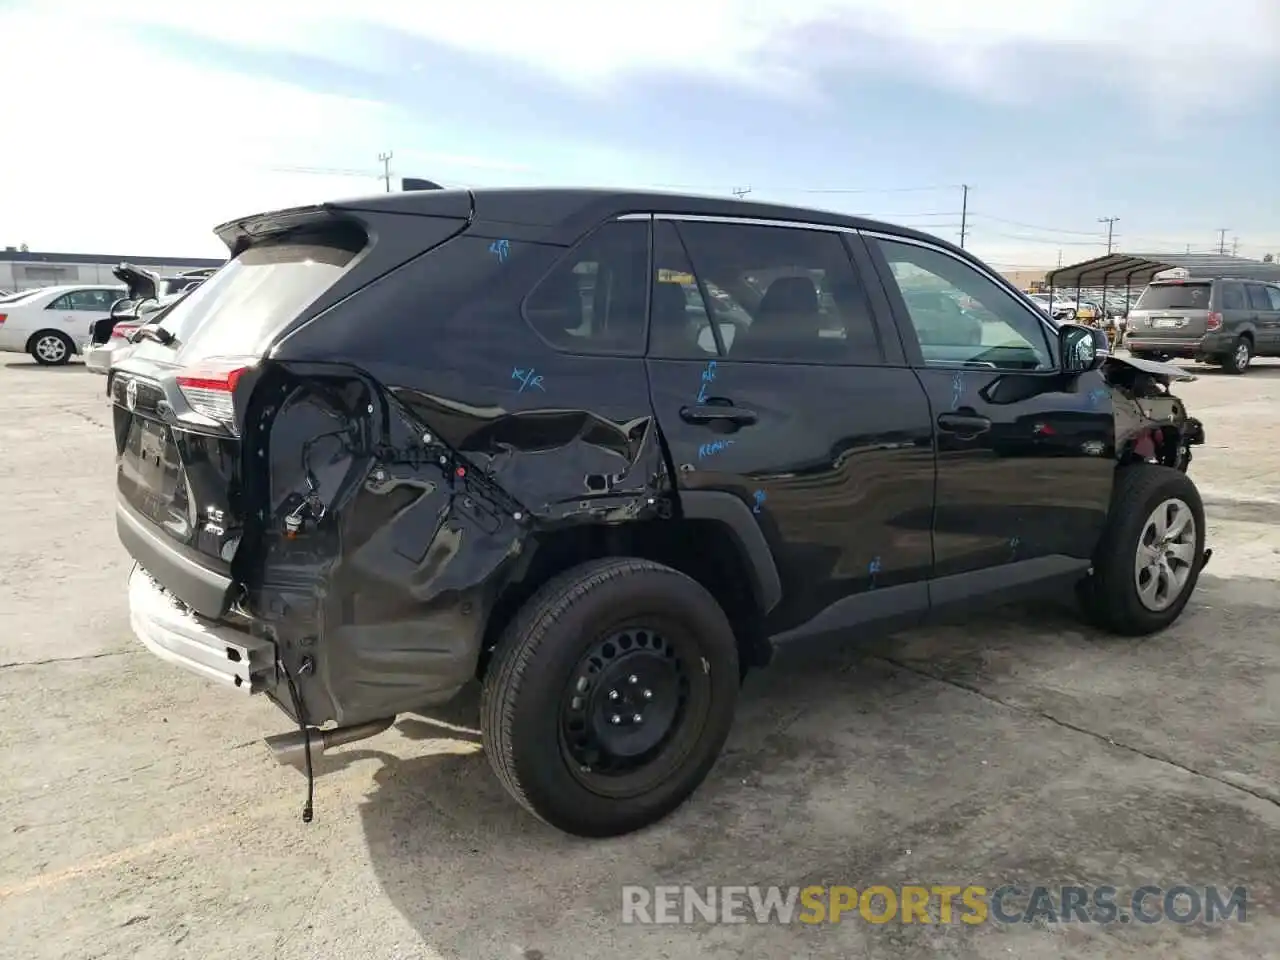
(1248, 335)
(702, 549)
(1154, 445)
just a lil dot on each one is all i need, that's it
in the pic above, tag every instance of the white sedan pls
(49, 322)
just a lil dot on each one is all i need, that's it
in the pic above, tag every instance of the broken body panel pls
(404, 458)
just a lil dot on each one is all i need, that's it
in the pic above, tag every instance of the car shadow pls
(467, 866)
(32, 365)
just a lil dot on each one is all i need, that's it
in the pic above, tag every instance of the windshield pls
(238, 310)
(1175, 296)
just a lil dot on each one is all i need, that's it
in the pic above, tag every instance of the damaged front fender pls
(1151, 423)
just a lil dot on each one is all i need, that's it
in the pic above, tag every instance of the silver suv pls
(1220, 320)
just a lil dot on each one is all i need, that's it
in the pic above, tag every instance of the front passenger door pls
(1025, 460)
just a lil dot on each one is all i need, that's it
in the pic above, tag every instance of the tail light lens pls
(3, 318)
(123, 330)
(210, 389)
(1215, 322)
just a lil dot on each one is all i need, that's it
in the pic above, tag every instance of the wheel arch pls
(711, 540)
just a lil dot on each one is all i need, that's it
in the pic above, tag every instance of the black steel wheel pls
(610, 696)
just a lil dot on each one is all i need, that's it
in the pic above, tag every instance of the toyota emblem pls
(131, 394)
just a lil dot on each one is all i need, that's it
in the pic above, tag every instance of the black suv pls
(603, 452)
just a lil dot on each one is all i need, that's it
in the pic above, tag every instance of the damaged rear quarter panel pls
(453, 467)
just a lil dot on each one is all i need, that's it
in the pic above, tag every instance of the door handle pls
(966, 424)
(713, 414)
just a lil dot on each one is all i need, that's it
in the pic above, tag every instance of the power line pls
(1036, 226)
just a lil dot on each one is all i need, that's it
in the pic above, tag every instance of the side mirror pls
(1081, 348)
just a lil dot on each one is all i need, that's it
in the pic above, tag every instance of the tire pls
(51, 348)
(637, 618)
(1110, 595)
(1238, 358)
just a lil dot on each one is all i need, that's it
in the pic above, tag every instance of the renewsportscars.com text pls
(937, 904)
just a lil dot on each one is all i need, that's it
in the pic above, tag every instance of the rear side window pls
(593, 300)
(783, 294)
(242, 307)
(1258, 299)
(1273, 293)
(1232, 297)
(1174, 296)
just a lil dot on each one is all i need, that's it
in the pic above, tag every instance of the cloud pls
(1176, 52)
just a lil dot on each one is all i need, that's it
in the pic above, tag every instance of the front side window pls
(962, 317)
(593, 300)
(782, 294)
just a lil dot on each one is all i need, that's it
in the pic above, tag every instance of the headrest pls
(790, 295)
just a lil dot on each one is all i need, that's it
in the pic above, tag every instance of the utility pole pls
(1059, 257)
(385, 160)
(1111, 225)
(1235, 245)
(1188, 249)
(741, 192)
(964, 213)
(1222, 239)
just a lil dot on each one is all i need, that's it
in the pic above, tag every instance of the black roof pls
(34, 256)
(1137, 269)
(557, 215)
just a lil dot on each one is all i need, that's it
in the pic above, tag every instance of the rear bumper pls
(1209, 344)
(215, 651)
(98, 359)
(204, 590)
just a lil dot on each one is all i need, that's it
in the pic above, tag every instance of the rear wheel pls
(1150, 557)
(1238, 358)
(51, 348)
(610, 696)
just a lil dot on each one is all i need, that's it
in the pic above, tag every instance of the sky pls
(132, 127)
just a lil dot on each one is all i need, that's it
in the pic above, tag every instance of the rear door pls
(799, 407)
(1024, 452)
(1172, 310)
(1265, 319)
(1273, 298)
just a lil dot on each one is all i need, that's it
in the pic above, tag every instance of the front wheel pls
(51, 348)
(1151, 554)
(610, 696)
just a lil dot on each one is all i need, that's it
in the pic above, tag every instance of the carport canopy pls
(1136, 269)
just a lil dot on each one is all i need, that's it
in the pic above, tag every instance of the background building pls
(26, 270)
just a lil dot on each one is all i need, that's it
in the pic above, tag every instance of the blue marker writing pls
(957, 389)
(1013, 547)
(708, 374)
(714, 447)
(1096, 397)
(527, 379)
(759, 497)
(501, 249)
(873, 568)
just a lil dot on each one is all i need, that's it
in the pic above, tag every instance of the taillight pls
(123, 330)
(1215, 322)
(209, 389)
(3, 318)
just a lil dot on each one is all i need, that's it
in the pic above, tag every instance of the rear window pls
(238, 310)
(1174, 296)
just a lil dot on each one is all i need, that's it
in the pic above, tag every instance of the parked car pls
(358, 476)
(48, 323)
(1223, 321)
(147, 295)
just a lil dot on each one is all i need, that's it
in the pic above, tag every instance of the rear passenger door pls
(1273, 298)
(795, 411)
(1025, 461)
(1266, 319)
